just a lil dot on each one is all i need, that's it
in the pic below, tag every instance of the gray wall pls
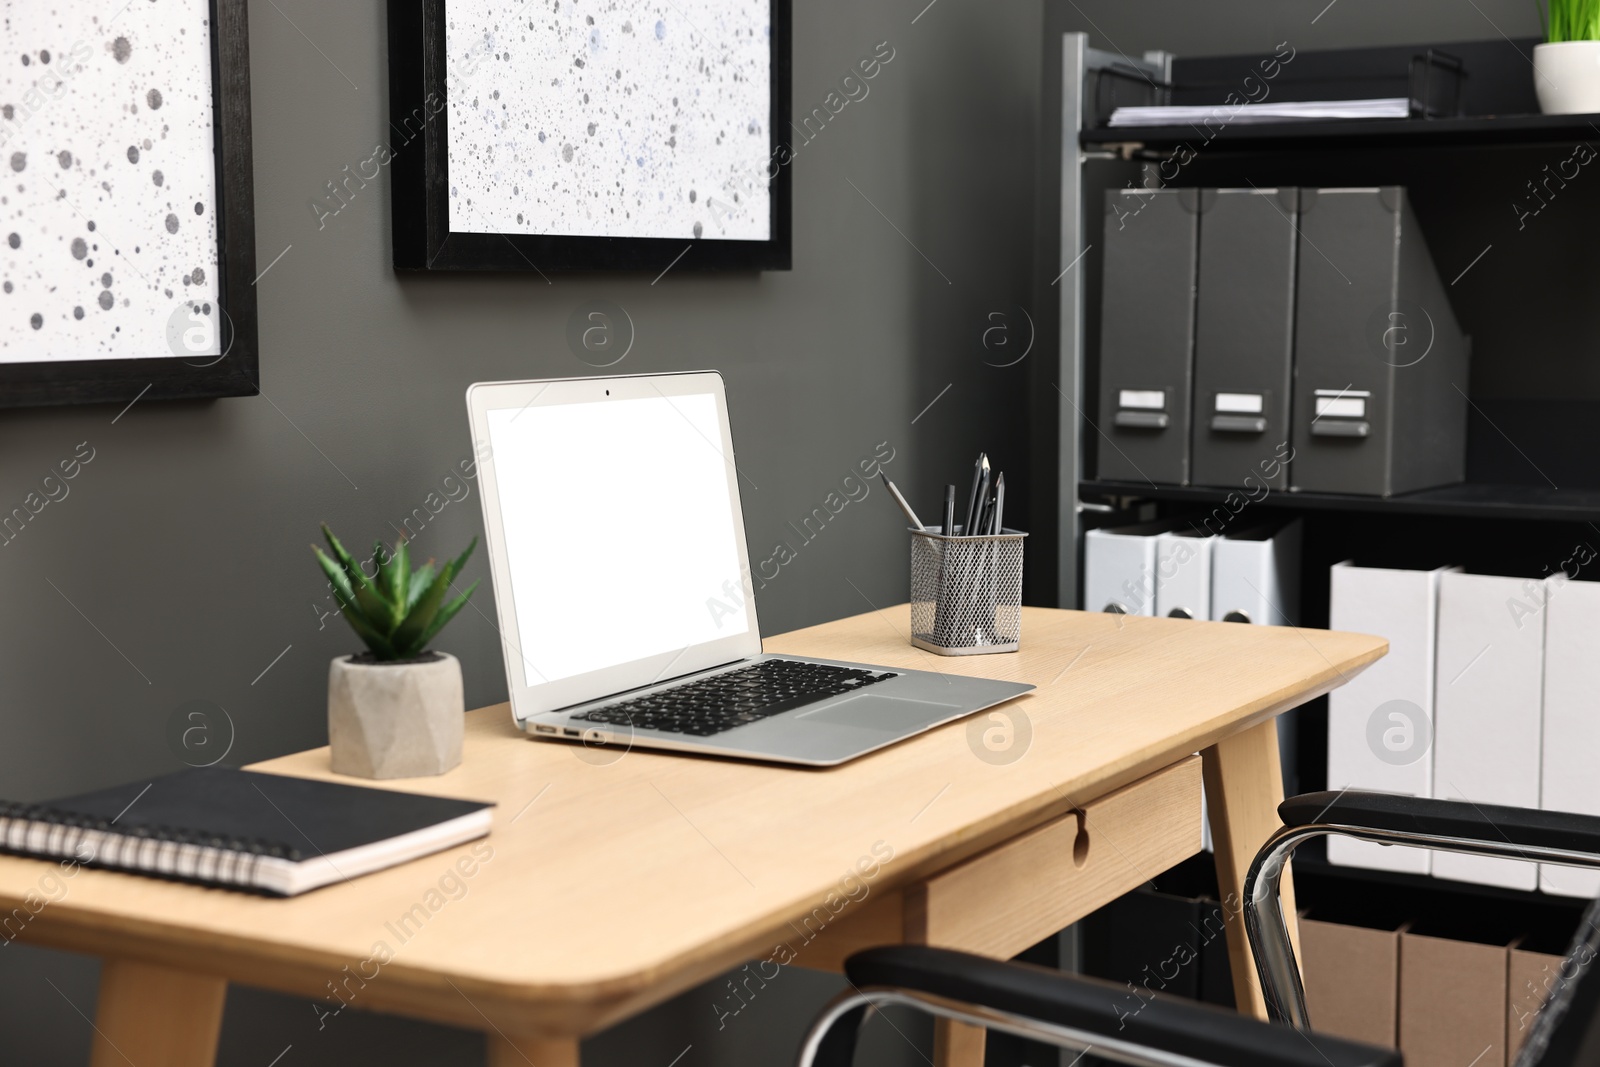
(177, 568)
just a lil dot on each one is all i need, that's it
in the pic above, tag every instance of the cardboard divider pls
(1533, 967)
(1350, 965)
(1452, 1001)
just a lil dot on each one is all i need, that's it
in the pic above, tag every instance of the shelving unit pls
(1520, 275)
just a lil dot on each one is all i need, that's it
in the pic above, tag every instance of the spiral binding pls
(40, 831)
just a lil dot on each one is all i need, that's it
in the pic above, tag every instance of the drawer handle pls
(1142, 420)
(1339, 429)
(1239, 423)
(1080, 843)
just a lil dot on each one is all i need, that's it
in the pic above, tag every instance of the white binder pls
(1571, 714)
(1183, 575)
(1119, 568)
(1375, 740)
(1254, 575)
(1255, 579)
(1487, 711)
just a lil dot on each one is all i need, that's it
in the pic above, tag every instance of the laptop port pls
(545, 730)
(571, 732)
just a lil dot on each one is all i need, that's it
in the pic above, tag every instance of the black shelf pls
(1492, 103)
(1477, 131)
(1466, 500)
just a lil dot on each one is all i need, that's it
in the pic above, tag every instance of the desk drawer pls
(1016, 894)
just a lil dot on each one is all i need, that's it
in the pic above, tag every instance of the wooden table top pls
(615, 883)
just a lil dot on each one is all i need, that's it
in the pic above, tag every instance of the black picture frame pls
(237, 371)
(420, 177)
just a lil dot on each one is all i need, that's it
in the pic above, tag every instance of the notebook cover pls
(306, 817)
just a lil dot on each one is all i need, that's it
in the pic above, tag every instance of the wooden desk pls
(613, 885)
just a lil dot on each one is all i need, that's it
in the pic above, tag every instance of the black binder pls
(1151, 239)
(1244, 337)
(1380, 393)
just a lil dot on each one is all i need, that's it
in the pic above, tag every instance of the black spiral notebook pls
(238, 829)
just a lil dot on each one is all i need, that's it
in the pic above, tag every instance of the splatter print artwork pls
(597, 118)
(108, 233)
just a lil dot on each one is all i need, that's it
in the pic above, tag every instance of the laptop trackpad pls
(884, 714)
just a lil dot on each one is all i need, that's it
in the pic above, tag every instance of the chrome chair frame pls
(1268, 930)
(1067, 1011)
(875, 998)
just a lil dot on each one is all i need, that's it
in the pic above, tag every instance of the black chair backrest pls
(1567, 1031)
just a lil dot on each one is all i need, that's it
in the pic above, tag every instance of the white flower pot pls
(1566, 76)
(395, 720)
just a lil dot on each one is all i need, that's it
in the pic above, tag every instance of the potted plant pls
(395, 710)
(1566, 69)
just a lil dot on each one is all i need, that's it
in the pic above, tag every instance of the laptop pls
(624, 591)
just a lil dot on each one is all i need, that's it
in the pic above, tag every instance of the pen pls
(980, 525)
(979, 469)
(980, 495)
(996, 524)
(949, 511)
(898, 499)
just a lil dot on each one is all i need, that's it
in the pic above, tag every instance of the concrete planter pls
(1566, 77)
(395, 720)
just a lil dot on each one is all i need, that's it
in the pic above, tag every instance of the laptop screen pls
(619, 530)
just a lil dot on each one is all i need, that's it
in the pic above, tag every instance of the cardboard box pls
(1352, 980)
(1530, 976)
(1452, 1002)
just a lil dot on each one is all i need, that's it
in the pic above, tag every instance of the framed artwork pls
(127, 239)
(558, 135)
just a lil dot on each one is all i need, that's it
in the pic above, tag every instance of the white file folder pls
(1183, 591)
(1255, 579)
(1119, 568)
(1571, 717)
(1487, 711)
(1375, 738)
(1255, 575)
(1183, 575)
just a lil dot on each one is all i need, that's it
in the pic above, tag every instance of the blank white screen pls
(619, 529)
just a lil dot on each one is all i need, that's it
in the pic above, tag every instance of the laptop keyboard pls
(735, 698)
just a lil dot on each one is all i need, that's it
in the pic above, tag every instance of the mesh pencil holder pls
(966, 593)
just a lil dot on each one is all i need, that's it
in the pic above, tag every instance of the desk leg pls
(1244, 786)
(957, 1044)
(155, 1015)
(532, 1052)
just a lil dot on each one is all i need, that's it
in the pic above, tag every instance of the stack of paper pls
(1396, 107)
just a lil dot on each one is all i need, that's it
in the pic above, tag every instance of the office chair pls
(1439, 825)
(1086, 1014)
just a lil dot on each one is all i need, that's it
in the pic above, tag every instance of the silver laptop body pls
(616, 542)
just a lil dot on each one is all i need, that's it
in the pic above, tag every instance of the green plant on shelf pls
(398, 610)
(1572, 20)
